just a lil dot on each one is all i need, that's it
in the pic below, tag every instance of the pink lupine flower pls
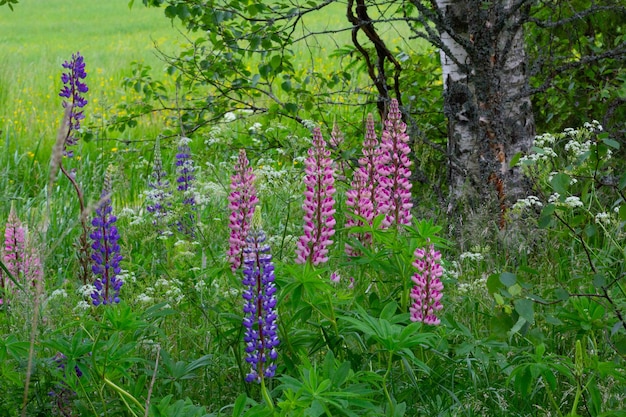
(15, 245)
(364, 179)
(318, 206)
(241, 201)
(19, 255)
(393, 165)
(427, 292)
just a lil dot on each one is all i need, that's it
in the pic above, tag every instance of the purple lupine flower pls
(241, 202)
(427, 292)
(260, 317)
(185, 170)
(73, 90)
(318, 206)
(394, 191)
(106, 251)
(62, 396)
(159, 193)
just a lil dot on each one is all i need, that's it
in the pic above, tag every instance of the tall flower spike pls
(394, 193)
(260, 317)
(14, 256)
(159, 192)
(359, 198)
(241, 202)
(426, 293)
(185, 170)
(73, 90)
(106, 250)
(19, 255)
(318, 206)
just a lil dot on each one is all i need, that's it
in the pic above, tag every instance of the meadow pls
(141, 272)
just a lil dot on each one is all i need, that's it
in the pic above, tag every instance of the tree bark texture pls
(489, 120)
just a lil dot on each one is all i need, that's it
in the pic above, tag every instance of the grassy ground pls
(38, 36)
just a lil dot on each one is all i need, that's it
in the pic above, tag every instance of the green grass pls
(39, 35)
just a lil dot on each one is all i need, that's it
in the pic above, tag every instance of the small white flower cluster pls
(472, 256)
(229, 117)
(573, 202)
(578, 148)
(59, 293)
(472, 286)
(127, 276)
(144, 297)
(172, 289)
(86, 290)
(82, 306)
(603, 218)
(527, 202)
(255, 128)
(309, 124)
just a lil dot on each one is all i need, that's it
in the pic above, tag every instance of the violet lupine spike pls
(159, 193)
(260, 317)
(73, 90)
(241, 202)
(185, 170)
(106, 251)
(318, 206)
(394, 168)
(427, 292)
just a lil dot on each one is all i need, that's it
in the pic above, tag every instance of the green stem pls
(266, 395)
(123, 394)
(386, 391)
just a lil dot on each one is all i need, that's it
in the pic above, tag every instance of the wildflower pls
(106, 251)
(573, 202)
(335, 277)
(20, 256)
(158, 196)
(364, 178)
(260, 316)
(185, 171)
(14, 256)
(318, 206)
(393, 164)
(241, 201)
(426, 293)
(73, 90)
(603, 217)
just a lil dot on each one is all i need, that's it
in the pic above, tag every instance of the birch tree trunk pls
(489, 118)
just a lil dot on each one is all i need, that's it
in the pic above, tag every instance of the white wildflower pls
(60, 293)
(230, 117)
(573, 202)
(472, 256)
(81, 306)
(603, 217)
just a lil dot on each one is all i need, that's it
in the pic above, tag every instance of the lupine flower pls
(318, 206)
(261, 336)
(426, 293)
(106, 251)
(19, 255)
(14, 256)
(63, 397)
(394, 192)
(159, 192)
(364, 179)
(241, 201)
(73, 90)
(185, 171)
